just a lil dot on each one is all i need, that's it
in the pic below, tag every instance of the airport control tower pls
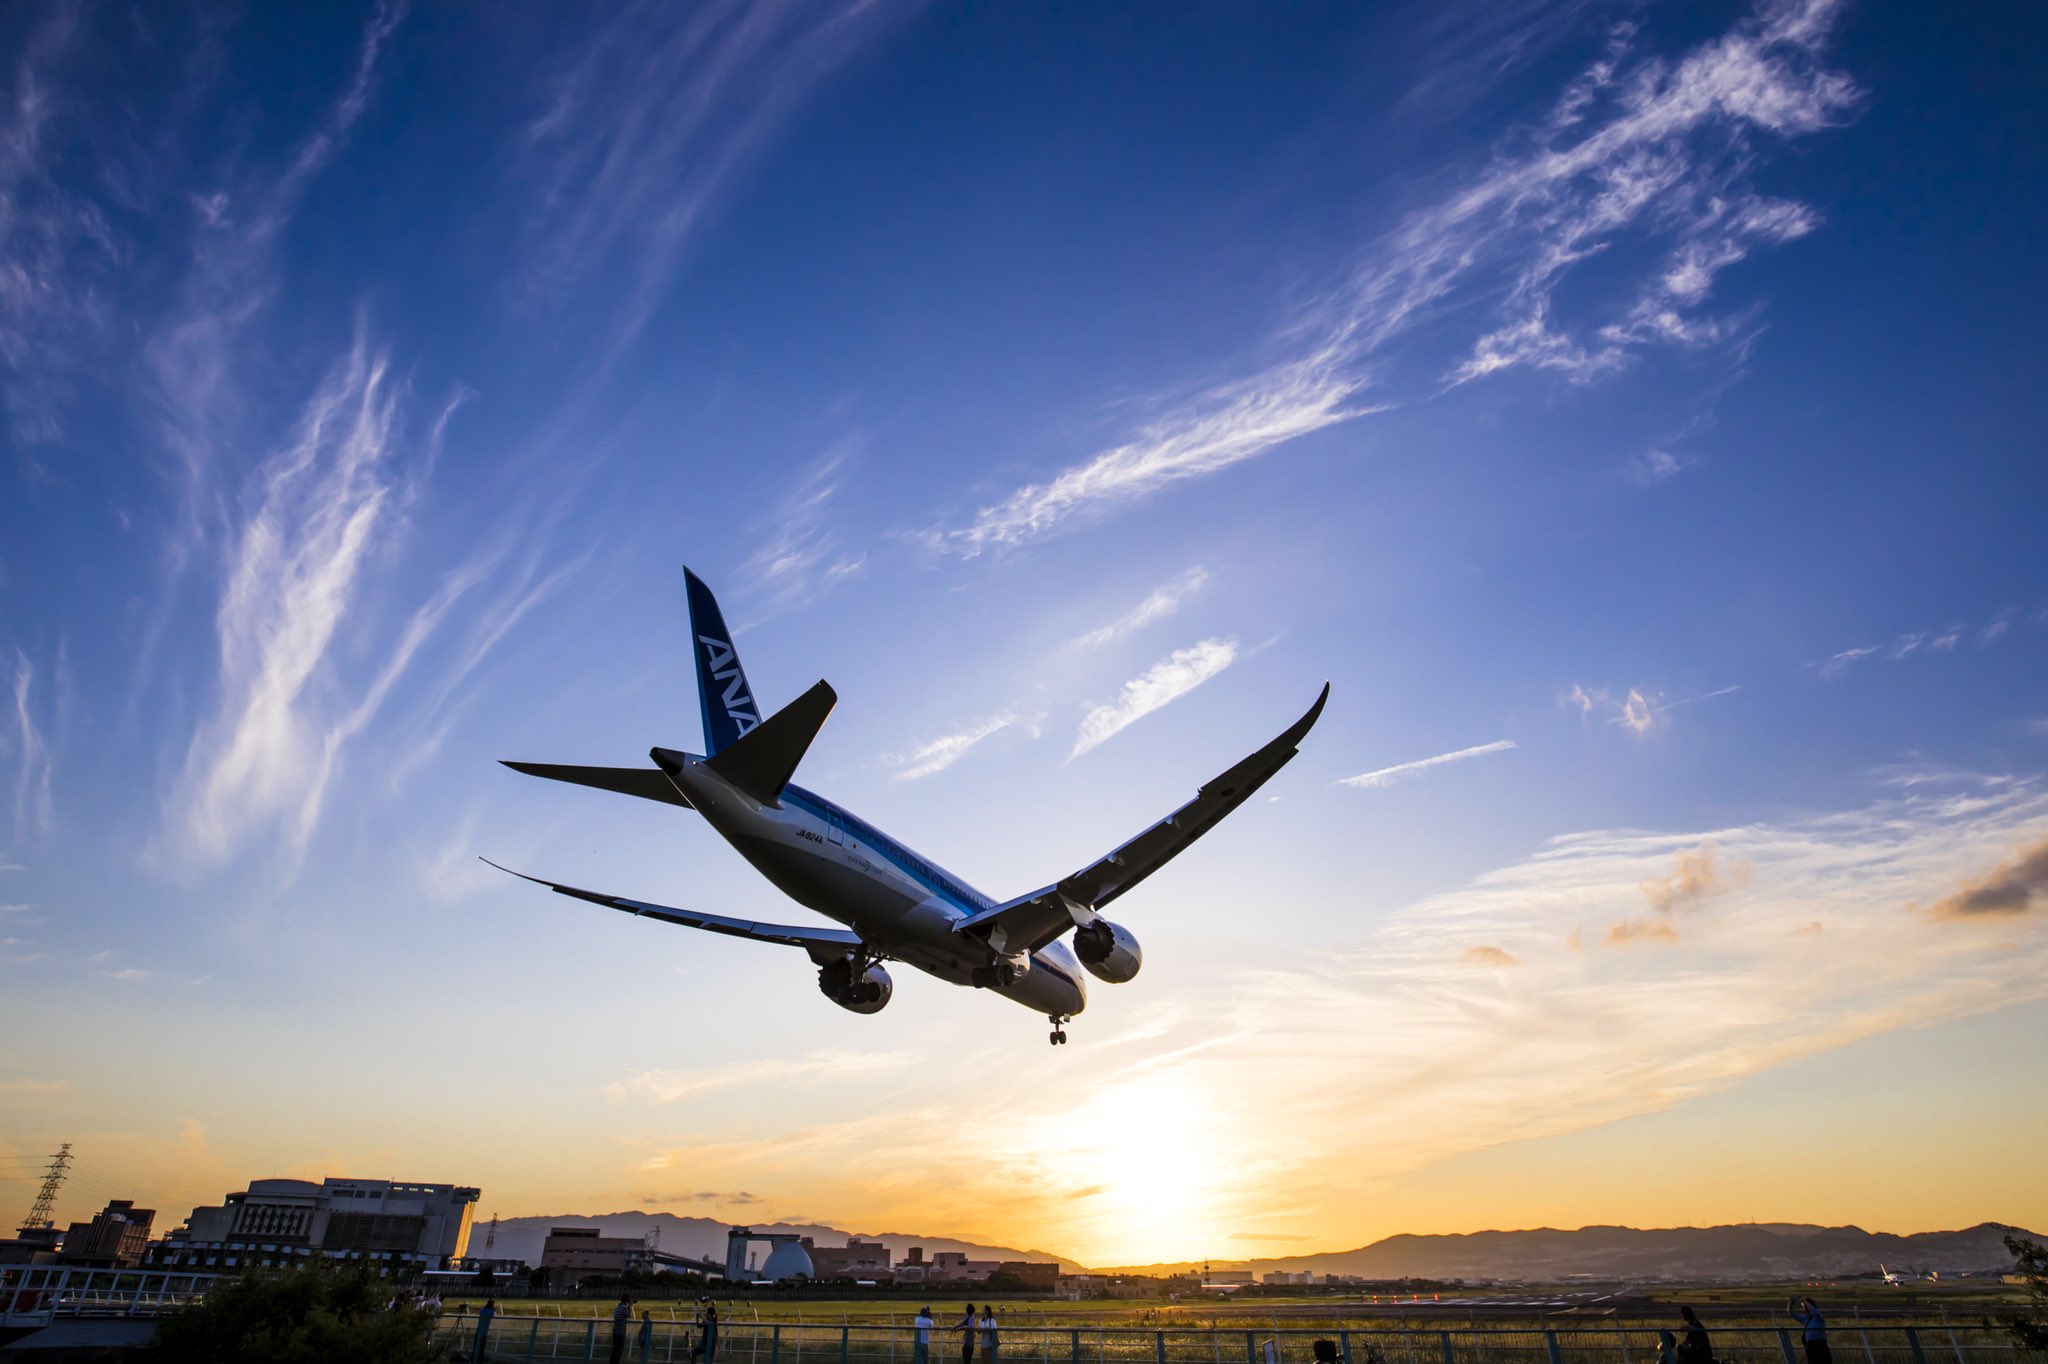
(786, 1256)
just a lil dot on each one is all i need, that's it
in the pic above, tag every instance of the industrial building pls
(116, 1238)
(571, 1254)
(389, 1224)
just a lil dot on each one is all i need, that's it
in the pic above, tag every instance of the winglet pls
(761, 761)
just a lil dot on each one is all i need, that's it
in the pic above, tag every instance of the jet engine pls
(1108, 951)
(863, 995)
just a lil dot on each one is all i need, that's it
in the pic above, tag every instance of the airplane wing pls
(1029, 922)
(824, 944)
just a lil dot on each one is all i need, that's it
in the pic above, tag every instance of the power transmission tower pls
(491, 1236)
(46, 1201)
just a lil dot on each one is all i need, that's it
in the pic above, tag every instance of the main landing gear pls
(1059, 1029)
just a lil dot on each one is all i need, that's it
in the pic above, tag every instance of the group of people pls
(1698, 1347)
(705, 1349)
(974, 1328)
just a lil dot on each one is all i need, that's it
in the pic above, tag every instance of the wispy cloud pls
(1223, 426)
(322, 506)
(673, 1086)
(1163, 601)
(654, 109)
(802, 555)
(1915, 642)
(936, 755)
(1637, 711)
(1653, 467)
(1636, 144)
(59, 248)
(33, 806)
(1387, 776)
(35, 1088)
(1172, 677)
(1838, 662)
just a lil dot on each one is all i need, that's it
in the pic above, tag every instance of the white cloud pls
(1571, 1039)
(1653, 467)
(1997, 626)
(1638, 710)
(936, 755)
(321, 510)
(33, 809)
(1638, 145)
(1834, 666)
(655, 107)
(1163, 602)
(1387, 776)
(1223, 426)
(673, 1086)
(802, 555)
(1172, 677)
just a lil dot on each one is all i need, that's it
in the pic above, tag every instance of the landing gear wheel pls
(1059, 1031)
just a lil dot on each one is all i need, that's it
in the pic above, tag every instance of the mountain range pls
(1753, 1250)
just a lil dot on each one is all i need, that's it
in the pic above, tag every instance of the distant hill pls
(1760, 1250)
(704, 1237)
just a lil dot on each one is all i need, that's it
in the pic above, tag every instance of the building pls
(571, 1254)
(857, 1259)
(391, 1225)
(116, 1238)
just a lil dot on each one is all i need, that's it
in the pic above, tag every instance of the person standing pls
(991, 1339)
(483, 1327)
(646, 1334)
(707, 1331)
(967, 1327)
(622, 1319)
(921, 1337)
(1667, 1348)
(1813, 1331)
(1698, 1346)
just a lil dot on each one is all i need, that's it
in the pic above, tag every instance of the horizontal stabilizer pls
(761, 761)
(648, 783)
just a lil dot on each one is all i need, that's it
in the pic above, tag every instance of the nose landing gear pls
(1059, 1030)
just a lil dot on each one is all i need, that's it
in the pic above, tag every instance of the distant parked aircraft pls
(896, 904)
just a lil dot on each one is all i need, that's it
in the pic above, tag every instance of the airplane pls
(896, 904)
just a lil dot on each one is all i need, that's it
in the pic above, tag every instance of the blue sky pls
(1632, 411)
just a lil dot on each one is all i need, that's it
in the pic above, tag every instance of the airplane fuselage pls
(902, 905)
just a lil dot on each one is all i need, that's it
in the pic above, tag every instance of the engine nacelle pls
(1108, 951)
(867, 995)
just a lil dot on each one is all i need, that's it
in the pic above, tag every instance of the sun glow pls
(1154, 1168)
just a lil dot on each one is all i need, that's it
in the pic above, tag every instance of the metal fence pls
(526, 1337)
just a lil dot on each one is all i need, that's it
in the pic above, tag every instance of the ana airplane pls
(895, 904)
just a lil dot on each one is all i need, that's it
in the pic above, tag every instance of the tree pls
(318, 1314)
(2029, 1325)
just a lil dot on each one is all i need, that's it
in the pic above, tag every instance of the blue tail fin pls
(728, 702)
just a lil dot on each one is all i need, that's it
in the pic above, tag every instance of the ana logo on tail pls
(722, 663)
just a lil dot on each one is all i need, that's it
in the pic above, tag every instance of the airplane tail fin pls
(727, 701)
(761, 761)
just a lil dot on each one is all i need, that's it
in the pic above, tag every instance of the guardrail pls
(523, 1338)
(36, 1295)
